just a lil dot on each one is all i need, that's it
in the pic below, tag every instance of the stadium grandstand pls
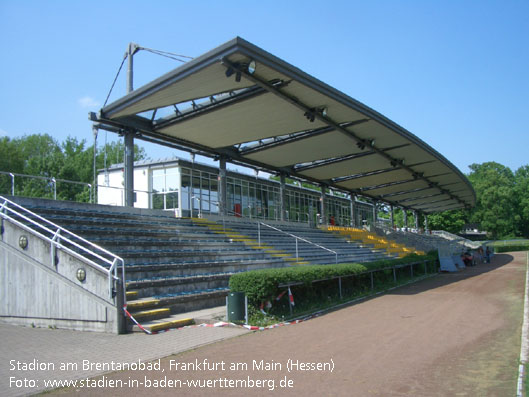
(165, 236)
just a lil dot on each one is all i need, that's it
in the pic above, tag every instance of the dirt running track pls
(454, 334)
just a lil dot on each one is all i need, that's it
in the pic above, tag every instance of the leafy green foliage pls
(41, 155)
(511, 248)
(502, 206)
(263, 285)
(521, 192)
(451, 221)
(496, 202)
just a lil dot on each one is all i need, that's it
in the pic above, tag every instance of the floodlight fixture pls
(251, 67)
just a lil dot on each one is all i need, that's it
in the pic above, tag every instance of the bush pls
(511, 248)
(319, 282)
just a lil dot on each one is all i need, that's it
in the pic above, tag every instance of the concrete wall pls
(114, 193)
(35, 290)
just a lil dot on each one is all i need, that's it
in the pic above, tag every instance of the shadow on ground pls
(443, 279)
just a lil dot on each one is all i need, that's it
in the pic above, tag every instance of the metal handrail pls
(114, 261)
(52, 179)
(294, 236)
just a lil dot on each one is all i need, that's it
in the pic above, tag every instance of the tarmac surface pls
(453, 334)
(48, 348)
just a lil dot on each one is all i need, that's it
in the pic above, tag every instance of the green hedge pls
(511, 248)
(262, 285)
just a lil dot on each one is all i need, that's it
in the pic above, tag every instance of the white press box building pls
(191, 189)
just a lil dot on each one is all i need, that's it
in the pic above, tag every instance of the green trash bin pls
(236, 306)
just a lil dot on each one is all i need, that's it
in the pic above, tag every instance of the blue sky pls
(454, 73)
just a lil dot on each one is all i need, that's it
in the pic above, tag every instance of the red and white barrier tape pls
(290, 297)
(136, 322)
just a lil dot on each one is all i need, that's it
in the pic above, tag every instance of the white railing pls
(60, 236)
(295, 237)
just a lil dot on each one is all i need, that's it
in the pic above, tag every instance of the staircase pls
(177, 265)
(314, 246)
(374, 240)
(172, 265)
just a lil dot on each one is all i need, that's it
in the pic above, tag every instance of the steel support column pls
(129, 136)
(323, 201)
(353, 210)
(282, 196)
(222, 187)
(95, 132)
(129, 170)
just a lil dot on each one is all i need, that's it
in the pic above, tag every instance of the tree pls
(521, 193)
(10, 161)
(496, 201)
(451, 221)
(41, 155)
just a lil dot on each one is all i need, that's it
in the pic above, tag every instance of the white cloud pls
(88, 102)
(2, 132)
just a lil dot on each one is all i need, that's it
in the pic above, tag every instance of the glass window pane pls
(157, 201)
(171, 179)
(158, 180)
(186, 182)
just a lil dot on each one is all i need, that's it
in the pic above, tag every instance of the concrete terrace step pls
(177, 302)
(95, 231)
(179, 284)
(164, 323)
(159, 278)
(175, 256)
(152, 314)
(173, 243)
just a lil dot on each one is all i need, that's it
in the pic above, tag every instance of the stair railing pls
(9, 210)
(295, 237)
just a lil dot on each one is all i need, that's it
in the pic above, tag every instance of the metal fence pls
(22, 184)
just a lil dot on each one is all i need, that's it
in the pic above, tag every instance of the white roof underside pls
(268, 128)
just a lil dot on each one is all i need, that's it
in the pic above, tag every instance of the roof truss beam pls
(371, 173)
(313, 113)
(211, 106)
(296, 137)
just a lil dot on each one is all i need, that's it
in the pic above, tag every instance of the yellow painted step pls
(131, 295)
(255, 246)
(164, 311)
(140, 304)
(170, 324)
(218, 227)
(292, 259)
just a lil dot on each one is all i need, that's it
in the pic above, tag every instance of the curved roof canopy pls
(242, 103)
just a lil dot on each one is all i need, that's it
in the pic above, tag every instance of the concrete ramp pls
(446, 259)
